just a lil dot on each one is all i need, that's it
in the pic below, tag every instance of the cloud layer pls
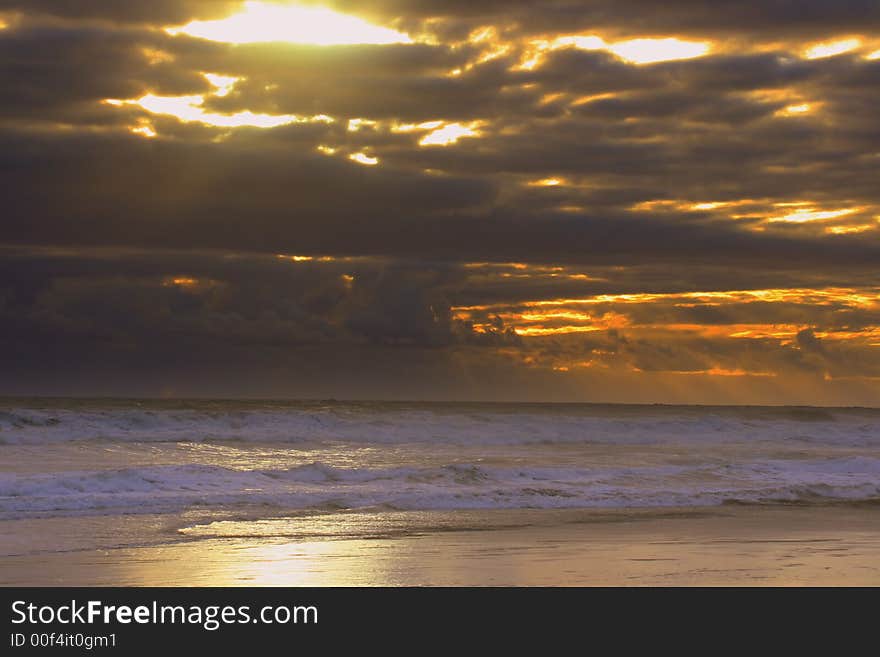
(555, 200)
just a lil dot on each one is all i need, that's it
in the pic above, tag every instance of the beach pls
(153, 493)
(742, 546)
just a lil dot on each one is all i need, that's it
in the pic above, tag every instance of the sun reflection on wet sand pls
(716, 546)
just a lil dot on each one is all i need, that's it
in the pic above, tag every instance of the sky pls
(595, 200)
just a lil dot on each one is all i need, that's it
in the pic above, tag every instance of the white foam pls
(67, 458)
(455, 486)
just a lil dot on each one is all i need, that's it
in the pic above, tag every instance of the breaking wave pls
(167, 488)
(489, 424)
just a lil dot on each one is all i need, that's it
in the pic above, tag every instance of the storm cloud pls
(561, 200)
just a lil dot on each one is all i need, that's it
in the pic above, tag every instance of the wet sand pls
(726, 546)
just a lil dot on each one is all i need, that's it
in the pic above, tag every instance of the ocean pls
(94, 476)
(119, 457)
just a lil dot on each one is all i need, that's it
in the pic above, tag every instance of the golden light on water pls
(262, 22)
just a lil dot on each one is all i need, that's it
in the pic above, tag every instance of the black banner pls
(131, 620)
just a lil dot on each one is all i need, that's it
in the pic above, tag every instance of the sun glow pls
(649, 51)
(186, 282)
(191, 109)
(155, 56)
(634, 51)
(546, 182)
(666, 315)
(144, 128)
(795, 110)
(439, 133)
(708, 205)
(832, 48)
(811, 214)
(261, 22)
(449, 134)
(357, 124)
(848, 230)
(363, 158)
(223, 83)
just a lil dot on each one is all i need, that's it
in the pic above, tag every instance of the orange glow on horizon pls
(714, 371)
(557, 317)
(795, 295)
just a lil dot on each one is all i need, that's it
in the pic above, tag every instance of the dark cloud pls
(142, 296)
(154, 12)
(138, 192)
(132, 262)
(61, 75)
(409, 83)
(766, 18)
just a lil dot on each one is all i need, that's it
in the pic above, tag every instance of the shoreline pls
(782, 545)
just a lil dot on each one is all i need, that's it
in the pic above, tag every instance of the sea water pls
(126, 457)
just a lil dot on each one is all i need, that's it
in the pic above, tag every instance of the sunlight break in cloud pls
(261, 22)
(811, 214)
(831, 48)
(363, 158)
(635, 51)
(190, 109)
(449, 134)
(649, 51)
